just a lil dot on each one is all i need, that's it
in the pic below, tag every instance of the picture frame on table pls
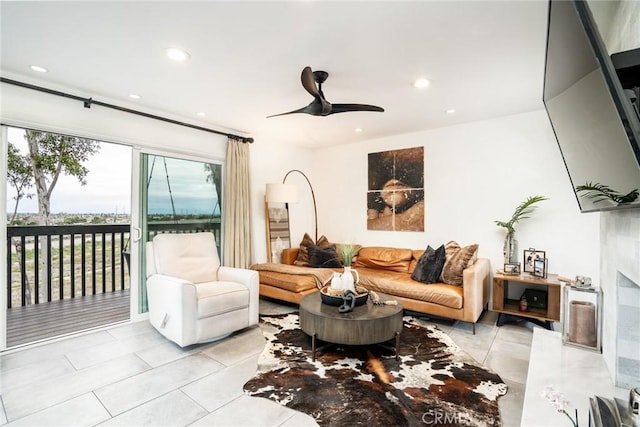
(530, 255)
(540, 268)
(512, 269)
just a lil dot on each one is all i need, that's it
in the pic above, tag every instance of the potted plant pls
(347, 252)
(522, 211)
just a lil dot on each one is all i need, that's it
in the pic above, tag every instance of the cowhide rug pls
(434, 383)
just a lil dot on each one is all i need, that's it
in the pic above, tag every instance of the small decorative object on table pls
(349, 282)
(557, 400)
(524, 305)
(338, 297)
(540, 268)
(375, 299)
(512, 268)
(530, 255)
(582, 282)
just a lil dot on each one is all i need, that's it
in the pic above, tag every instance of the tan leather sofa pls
(392, 276)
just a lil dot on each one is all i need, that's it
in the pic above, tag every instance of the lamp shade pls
(281, 193)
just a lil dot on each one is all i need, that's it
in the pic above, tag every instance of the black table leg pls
(313, 347)
(504, 318)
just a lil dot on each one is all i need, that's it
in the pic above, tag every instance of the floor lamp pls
(287, 193)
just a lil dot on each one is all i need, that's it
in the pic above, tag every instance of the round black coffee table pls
(366, 324)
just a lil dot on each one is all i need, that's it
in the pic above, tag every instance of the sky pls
(191, 192)
(108, 187)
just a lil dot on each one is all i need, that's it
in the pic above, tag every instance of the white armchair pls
(192, 298)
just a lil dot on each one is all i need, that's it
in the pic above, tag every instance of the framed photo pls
(530, 255)
(512, 268)
(540, 268)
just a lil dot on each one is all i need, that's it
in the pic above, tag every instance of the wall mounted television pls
(595, 121)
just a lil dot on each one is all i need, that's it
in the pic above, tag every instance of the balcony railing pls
(50, 263)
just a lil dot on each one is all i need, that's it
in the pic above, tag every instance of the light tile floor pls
(130, 375)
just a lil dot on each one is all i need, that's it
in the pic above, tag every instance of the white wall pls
(475, 173)
(270, 161)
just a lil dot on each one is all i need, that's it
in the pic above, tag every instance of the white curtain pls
(236, 206)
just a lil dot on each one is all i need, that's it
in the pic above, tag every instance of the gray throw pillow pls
(429, 266)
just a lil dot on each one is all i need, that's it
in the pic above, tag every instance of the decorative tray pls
(332, 297)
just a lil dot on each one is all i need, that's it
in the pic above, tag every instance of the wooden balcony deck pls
(41, 321)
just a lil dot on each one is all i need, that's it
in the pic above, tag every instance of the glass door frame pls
(138, 253)
(4, 147)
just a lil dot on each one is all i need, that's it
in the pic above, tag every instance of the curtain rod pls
(88, 102)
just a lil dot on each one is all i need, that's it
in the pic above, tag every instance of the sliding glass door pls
(177, 195)
(67, 230)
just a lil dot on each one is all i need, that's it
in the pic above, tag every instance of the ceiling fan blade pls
(309, 82)
(299, 110)
(317, 107)
(344, 108)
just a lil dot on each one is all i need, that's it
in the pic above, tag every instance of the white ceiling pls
(485, 59)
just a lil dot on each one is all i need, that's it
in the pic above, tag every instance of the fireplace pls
(628, 334)
(620, 282)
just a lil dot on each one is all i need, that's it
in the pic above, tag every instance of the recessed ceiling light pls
(200, 113)
(421, 83)
(451, 111)
(357, 130)
(178, 55)
(38, 68)
(134, 96)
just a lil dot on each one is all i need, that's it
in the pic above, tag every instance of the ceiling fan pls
(320, 106)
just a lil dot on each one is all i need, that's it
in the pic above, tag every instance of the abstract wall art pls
(395, 195)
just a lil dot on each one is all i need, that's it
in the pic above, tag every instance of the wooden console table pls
(509, 309)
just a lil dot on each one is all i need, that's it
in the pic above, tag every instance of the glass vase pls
(510, 249)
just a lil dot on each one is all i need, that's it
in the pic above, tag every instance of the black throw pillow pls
(323, 257)
(429, 266)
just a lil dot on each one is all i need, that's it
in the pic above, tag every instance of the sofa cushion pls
(457, 260)
(417, 253)
(191, 256)
(392, 259)
(323, 257)
(220, 297)
(400, 284)
(303, 253)
(288, 282)
(429, 266)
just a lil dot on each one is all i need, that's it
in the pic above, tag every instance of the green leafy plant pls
(600, 192)
(347, 252)
(523, 211)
